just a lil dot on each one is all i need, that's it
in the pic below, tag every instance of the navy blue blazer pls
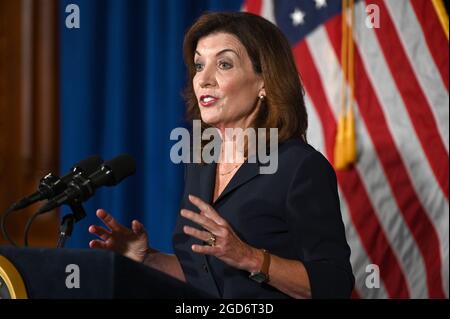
(293, 213)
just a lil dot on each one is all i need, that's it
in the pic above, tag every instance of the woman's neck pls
(232, 150)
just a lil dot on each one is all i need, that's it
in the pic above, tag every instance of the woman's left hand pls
(223, 242)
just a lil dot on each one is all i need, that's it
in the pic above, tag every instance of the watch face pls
(259, 277)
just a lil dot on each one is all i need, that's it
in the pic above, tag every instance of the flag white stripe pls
(426, 71)
(268, 11)
(315, 129)
(370, 170)
(427, 188)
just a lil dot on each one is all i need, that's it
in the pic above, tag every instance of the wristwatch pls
(262, 275)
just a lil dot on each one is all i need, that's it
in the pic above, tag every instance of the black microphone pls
(81, 188)
(52, 185)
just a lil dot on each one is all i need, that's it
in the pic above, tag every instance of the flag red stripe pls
(434, 36)
(413, 97)
(361, 211)
(254, 6)
(415, 216)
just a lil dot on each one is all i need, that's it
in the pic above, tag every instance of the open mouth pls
(208, 100)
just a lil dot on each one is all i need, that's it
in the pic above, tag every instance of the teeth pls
(207, 99)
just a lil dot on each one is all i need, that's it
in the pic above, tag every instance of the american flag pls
(394, 198)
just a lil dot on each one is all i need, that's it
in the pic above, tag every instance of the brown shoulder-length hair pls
(271, 56)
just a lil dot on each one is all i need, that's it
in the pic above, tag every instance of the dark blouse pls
(293, 213)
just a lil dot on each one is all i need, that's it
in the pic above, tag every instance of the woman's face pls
(225, 84)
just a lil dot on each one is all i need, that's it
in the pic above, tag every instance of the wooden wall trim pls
(28, 109)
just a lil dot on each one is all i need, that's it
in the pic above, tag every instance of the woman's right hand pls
(132, 243)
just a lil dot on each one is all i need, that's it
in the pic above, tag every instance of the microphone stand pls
(66, 227)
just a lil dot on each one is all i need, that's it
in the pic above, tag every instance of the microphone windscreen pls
(88, 165)
(121, 166)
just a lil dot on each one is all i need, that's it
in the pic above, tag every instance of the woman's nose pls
(207, 77)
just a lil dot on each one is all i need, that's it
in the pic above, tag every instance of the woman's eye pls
(198, 67)
(225, 65)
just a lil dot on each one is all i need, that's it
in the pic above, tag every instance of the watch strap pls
(266, 263)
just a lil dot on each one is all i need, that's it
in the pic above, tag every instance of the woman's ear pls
(262, 91)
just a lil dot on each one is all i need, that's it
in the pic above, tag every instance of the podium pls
(89, 274)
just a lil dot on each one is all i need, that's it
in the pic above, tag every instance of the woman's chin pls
(211, 120)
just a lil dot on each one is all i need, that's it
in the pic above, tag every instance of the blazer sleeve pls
(314, 215)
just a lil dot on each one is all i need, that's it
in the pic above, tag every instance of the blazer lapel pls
(245, 173)
(207, 179)
(206, 182)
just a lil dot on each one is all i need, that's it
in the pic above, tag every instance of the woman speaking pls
(240, 233)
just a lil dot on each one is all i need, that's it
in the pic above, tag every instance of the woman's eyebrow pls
(220, 52)
(227, 50)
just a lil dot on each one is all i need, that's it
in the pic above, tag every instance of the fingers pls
(203, 221)
(199, 234)
(137, 227)
(207, 210)
(199, 203)
(207, 250)
(98, 244)
(100, 232)
(204, 236)
(109, 221)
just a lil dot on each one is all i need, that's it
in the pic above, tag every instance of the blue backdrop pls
(121, 80)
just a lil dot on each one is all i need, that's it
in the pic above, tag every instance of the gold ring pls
(211, 241)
